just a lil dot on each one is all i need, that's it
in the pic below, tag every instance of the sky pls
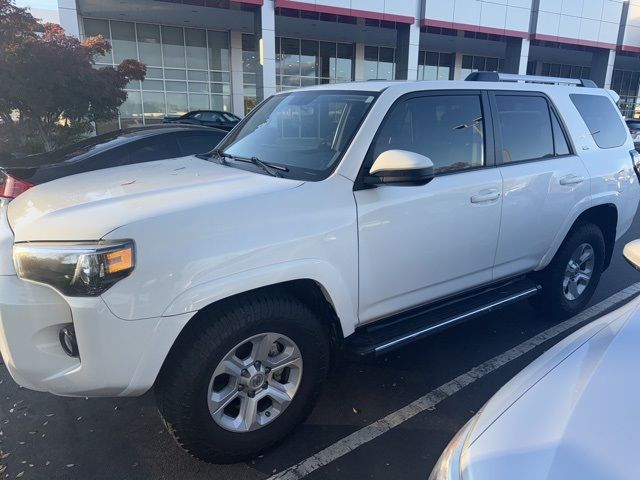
(48, 4)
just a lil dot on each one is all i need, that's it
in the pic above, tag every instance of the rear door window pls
(525, 128)
(602, 119)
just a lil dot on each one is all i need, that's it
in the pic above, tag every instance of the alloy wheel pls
(255, 382)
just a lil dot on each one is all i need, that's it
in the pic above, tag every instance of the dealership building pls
(230, 54)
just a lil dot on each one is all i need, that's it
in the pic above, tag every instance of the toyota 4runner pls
(354, 217)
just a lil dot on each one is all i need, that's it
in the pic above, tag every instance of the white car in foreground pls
(573, 413)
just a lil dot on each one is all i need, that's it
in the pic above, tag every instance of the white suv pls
(356, 217)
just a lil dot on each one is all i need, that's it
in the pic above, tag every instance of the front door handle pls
(484, 196)
(571, 179)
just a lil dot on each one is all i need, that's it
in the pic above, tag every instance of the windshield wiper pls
(273, 170)
(218, 153)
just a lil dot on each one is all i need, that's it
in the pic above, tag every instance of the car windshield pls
(305, 131)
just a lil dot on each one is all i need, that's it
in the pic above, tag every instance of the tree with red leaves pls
(50, 79)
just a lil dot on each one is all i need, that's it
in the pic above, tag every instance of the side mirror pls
(631, 253)
(402, 168)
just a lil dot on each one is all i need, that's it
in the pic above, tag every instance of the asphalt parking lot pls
(47, 437)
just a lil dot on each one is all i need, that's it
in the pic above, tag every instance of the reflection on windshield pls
(306, 131)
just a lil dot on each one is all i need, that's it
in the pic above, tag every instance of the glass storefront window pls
(132, 107)
(168, 52)
(344, 62)
(435, 66)
(379, 63)
(196, 42)
(308, 58)
(94, 27)
(123, 41)
(154, 107)
(250, 68)
(198, 102)
(149, 45)
(173, 47)
(177, 103)
(218, 50)
(154, 73)
(301, 63)
(471, 63)
(290, 56)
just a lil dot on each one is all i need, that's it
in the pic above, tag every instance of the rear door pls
(544, 182)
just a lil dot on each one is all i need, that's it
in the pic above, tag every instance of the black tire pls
(182, 386)
(551, 302)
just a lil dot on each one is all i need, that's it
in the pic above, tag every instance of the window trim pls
(489, 139)
(551, 108)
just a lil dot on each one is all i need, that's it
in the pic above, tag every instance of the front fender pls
(344, 302)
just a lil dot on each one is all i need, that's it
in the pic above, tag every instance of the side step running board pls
(398, 330)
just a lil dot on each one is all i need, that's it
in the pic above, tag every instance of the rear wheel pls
(569, 281)
(239, 383)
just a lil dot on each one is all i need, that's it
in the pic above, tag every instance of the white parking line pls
(431, 399)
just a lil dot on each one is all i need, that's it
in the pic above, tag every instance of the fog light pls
(67, 336)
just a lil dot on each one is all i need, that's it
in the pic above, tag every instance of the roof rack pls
(511, 77)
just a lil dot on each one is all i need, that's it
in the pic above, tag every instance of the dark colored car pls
(122, 147)
(633, 124)
(207, 118)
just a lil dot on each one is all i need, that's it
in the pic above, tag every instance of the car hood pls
(89, 205)
(573, 413)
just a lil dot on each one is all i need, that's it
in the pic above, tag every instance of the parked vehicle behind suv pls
(634, 127)
(120, 147)
(207, 118)
(358, 217)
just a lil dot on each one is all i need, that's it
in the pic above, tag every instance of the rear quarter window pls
(602, 119)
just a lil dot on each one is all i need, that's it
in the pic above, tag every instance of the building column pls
(237, 74)
(359, 63)
(457, 66)
(69, 19)
(602, 67)
(407, 51)
(517, 56)
(265, 32)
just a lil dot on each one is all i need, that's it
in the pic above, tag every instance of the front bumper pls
(117, 357)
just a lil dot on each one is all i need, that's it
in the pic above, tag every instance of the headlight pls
(449, 464)
(84, 269)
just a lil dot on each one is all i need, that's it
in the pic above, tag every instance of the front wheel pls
(239, 383)
(569, 281)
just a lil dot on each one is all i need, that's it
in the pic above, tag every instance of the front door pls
(418, 244)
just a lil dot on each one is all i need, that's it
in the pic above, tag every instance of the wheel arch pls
(308, 291)
(605, 217)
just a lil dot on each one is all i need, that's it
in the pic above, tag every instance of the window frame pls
(489, 140)
(551, 108)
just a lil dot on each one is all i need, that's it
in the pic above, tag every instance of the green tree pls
(50, 79)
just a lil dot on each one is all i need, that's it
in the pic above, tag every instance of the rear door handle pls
(485, 196)
(571, 179)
